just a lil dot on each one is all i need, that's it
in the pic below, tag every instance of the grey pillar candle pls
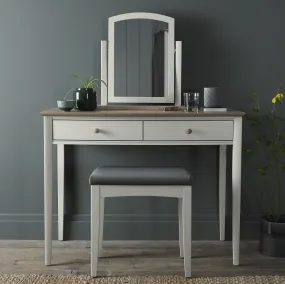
(211, 97)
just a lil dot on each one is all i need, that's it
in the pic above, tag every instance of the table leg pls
(222, 189)
(60, 190)
(48, 187)
(236, 187)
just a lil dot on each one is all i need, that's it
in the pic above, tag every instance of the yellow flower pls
(278, 98)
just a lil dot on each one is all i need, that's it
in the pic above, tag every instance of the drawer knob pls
(189, 131)
(97, 130)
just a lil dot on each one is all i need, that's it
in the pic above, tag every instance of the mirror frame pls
(169, 96)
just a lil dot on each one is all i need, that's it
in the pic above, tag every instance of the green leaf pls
(269, 143)
(104, 83)
(283, 166)
(276, 157)
(256, 110)
(94, 81)
(89, 82)
(256, 141)
(254, 123)
(79, 79)
(248, 150)
(263, 170)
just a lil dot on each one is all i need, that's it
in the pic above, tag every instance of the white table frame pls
(236, 143)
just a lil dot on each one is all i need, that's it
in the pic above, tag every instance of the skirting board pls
(123, 227)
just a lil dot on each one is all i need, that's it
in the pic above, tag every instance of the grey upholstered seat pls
(140, 176)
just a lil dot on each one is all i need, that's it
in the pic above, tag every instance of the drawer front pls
(188, 130)
(97, 130)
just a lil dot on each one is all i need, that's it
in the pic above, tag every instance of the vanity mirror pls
(141, 60)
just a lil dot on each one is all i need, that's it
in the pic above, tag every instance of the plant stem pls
(273, 149)
(265, 204)
(278, 189)
(263, 197)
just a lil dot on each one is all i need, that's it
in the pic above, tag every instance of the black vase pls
(85, 99)
(272, 237)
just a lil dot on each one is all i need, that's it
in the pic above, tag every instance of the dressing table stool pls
(141, 181)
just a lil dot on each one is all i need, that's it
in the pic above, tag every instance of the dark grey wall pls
(238, 45)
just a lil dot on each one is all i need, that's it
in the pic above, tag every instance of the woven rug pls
(73, 279)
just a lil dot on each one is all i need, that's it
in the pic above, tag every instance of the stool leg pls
(180, 227)
(187, 228)
(95, 226)
(101, 230)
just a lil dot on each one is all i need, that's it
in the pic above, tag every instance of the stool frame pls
(182, 192)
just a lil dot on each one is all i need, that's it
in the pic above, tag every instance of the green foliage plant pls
(269, 145)
(89, 82)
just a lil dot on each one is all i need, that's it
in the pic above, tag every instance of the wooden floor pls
(136, 258)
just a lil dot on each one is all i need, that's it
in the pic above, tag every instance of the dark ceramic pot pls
(272, 237)
(85, 99)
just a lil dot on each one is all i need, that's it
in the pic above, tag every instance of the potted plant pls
(85, 96)
(269, 144)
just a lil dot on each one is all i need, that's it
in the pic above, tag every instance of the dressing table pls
(142, 125)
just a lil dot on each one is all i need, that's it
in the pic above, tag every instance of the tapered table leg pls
(60, 190)
(222, 189)
(48, 187)
(236, 187)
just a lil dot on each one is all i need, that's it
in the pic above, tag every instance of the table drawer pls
(97, 130)
(188, 130)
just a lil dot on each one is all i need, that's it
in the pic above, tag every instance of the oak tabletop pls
(140, 111)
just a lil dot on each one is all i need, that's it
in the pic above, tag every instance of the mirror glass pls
(140, 58)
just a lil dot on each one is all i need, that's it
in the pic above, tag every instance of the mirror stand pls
(173, 59)
(104, 72)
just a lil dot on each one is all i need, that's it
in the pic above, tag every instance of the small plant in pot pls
(269, 147)
(85, 97)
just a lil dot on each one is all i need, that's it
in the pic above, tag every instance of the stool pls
(141, 181)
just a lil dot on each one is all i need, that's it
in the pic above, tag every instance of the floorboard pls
(210, 258)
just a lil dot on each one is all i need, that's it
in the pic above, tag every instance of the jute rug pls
(73, 279)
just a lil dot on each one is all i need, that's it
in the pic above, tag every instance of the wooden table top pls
(140, 111)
